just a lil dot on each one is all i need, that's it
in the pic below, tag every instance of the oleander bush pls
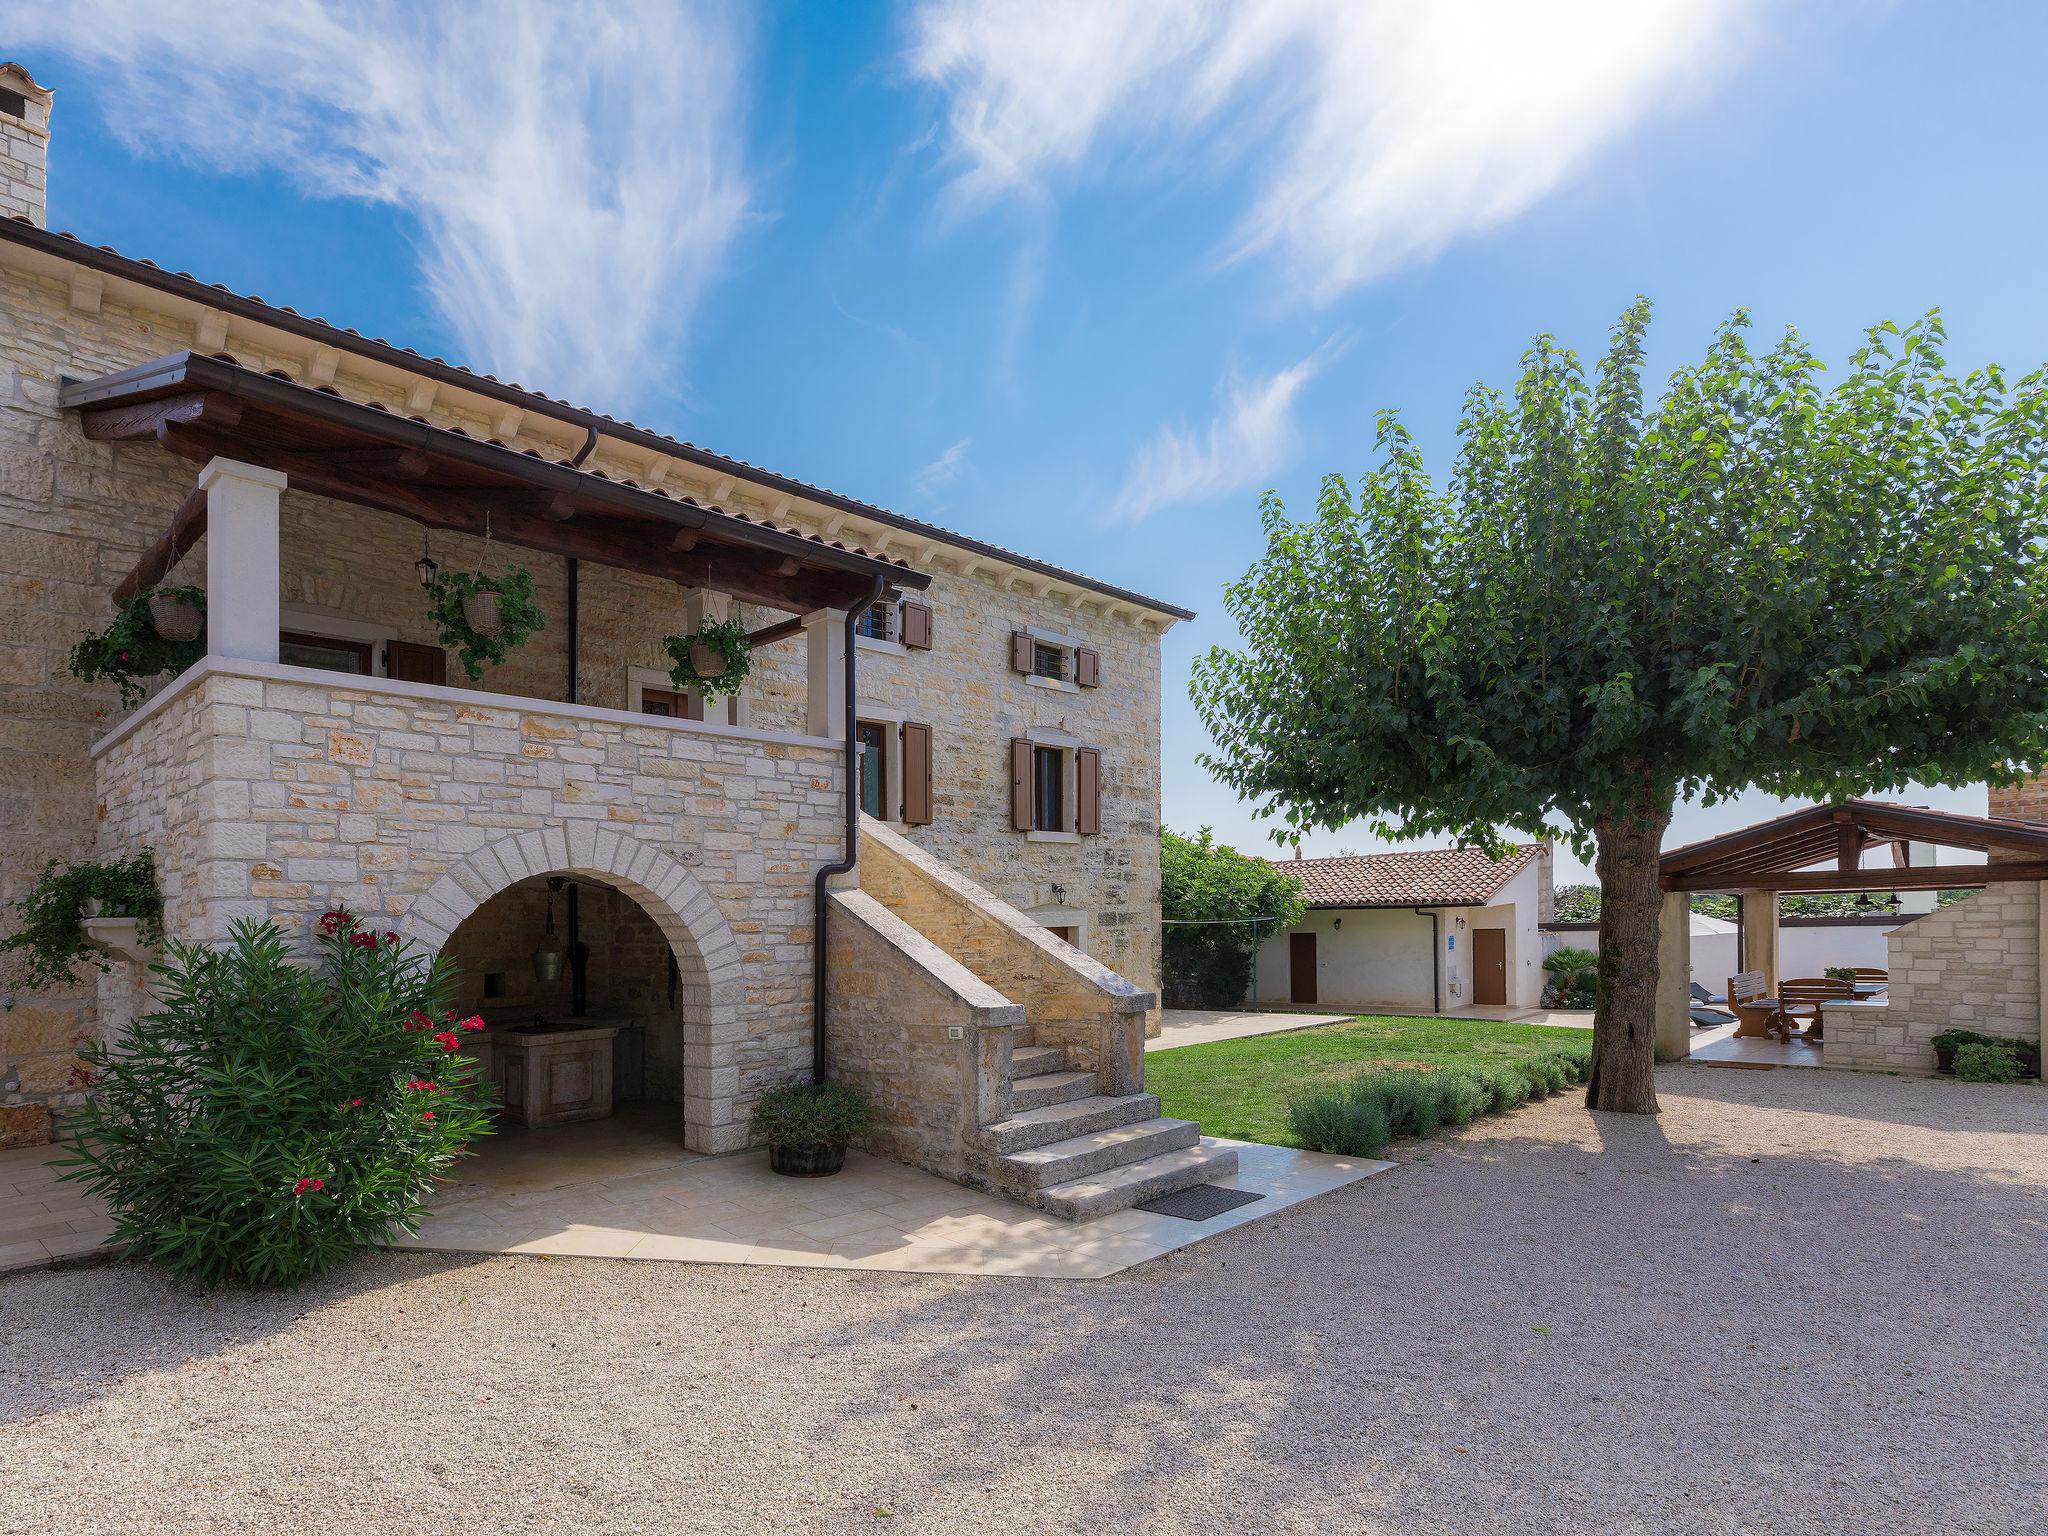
(270, 1119)
(1356, 1116)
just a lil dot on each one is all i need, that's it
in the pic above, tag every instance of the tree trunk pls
(1631, 914)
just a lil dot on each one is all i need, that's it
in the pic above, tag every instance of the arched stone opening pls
(704, 1081)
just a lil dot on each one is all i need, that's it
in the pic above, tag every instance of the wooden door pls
(1301, 969)
(1490, 967)
(406, 662)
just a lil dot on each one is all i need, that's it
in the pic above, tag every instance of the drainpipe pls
(1436, 985)
(819, 964)
(574, 647)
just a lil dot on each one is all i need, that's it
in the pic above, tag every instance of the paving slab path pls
(1795, 1302)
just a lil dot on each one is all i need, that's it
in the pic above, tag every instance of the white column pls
(825, 651)
(241, 559)
(1674, 978)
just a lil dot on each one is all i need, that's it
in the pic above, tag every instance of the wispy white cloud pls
(943, 470)
(575, 168)
(1376, 132)
(1252, 434)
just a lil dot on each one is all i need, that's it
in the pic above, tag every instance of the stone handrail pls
(1069, 999)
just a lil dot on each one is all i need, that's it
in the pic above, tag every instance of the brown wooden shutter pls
(1020, 784)
(1087, 791)
(917, 774)
(1020, 651)
(917, 627)
(410, 663)
(1087, 668)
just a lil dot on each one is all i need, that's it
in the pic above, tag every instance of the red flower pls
(79, 1077)
(391, 937)
(124, 655)
(447, 1040)
(353, 1104)
(341, 920)
(426, 1114)
(302, 1186)
(418, 1020)
(319, 1184)
(474, 1021)
(363, 940)
(449, 1015)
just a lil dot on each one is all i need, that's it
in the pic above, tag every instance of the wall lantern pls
(426, 564)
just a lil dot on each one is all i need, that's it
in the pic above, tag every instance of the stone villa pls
(992, 960)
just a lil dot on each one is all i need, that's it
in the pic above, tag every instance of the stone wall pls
(1070, 999)
(411, 806)
(74, 516)
(895, 1000)
(1973, 965)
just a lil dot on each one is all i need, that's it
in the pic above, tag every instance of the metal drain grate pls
(1199, 1203)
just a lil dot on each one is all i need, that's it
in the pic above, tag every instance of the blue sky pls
(1081, 280)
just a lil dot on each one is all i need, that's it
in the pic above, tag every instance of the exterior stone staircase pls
(997, 1055)
(1077, 1152)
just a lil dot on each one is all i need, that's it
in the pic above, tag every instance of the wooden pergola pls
(1821, 849)
(208, 408)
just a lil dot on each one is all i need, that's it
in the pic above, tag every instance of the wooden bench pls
(1801, 999)
(1756, 1013)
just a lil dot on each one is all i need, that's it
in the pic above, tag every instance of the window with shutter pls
(1087, 668)
(916, 623)
(1088, 792)
(917, 773)
(1020, 784)
(1022, 651)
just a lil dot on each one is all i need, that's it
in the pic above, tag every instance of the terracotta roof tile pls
(1435, 877)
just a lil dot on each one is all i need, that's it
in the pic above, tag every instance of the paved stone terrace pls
(40, 1218)
(1795, 1302)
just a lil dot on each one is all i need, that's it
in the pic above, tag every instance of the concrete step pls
(1097, 1194)
(1049, 1088)
(1060, 1122)
(1034, 1060)
(1060, 1162)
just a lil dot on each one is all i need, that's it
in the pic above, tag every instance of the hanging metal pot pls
(177, 619)
(551, 951)
(480, 612)
(706, 660)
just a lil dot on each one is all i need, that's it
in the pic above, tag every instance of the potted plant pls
(2026, 1053)
(807, 1126)
(55, 935)
(1839, 972)
(483, 617)
(715, 659)
(134, 646)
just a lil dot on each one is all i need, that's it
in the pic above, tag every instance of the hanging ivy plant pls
(519, 616)
(51, 938)
(715, 659)
(129, 649)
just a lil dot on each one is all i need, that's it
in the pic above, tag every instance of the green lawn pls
(1240, 1088)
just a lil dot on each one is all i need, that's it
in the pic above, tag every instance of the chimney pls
(24, 145)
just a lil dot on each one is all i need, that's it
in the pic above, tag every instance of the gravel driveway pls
(1797, 1301)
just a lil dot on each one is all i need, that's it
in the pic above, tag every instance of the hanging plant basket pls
(132, 647)
(483, 618)
(54, 922)
(480, 613)
(176, 616)
(715, 659)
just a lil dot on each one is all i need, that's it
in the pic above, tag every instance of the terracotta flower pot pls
(480, 612)
(177, 619)
(707, 660)
(808, 1162)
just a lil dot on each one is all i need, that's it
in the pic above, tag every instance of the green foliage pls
(1612, 603)
(1839, 972)
(269, 1120)
(51, 941)
(519, 615)
(1571, 976)
(1978, 1062)
(1219, 906)
(812, 1115)
(129, 648)
(1581, 904)
(1577, 904)
(728, 637)
(1355, 1116)
(1340, 1120)
(1949, 1045)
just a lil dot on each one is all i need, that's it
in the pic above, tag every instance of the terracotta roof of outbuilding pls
(1434, 877)
(217, 295)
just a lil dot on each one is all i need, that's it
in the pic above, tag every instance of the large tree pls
(1759, 581)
